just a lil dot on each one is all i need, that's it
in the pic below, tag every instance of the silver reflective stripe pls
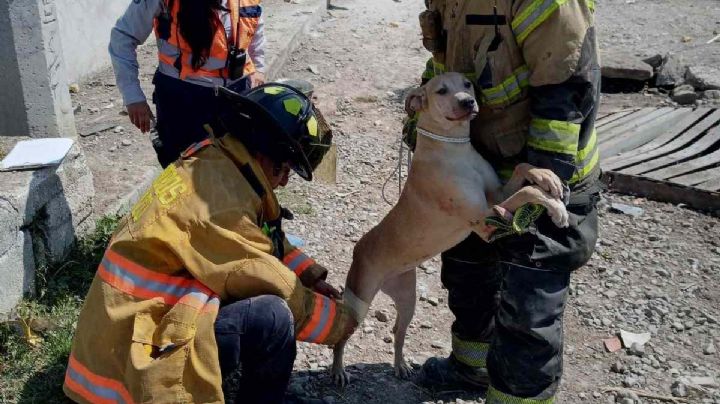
(170, 50)
(211, 82)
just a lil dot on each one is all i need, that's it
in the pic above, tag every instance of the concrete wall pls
(85, 32)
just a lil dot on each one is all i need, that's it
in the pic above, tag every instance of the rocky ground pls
(656, 272)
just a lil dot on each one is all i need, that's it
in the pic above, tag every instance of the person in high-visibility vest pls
(201, 45)
(200, 297)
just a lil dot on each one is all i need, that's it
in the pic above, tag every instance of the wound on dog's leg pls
(357, 305)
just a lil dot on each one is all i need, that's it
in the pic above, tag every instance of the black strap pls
(485, 19)
(252, 179)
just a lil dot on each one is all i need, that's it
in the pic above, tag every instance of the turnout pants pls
(256, 346)
(508, 300)
(183, 109)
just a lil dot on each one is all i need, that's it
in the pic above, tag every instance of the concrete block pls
(17, 271)
(41, 213)
(35, 100)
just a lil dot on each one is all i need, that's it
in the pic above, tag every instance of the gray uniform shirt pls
(133, 29)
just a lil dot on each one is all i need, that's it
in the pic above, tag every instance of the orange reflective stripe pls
(141, 282)
(93, 387)
(297, 261)
(195, 147)
(321, 321)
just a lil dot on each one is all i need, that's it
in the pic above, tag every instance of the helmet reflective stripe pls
(312, 126)
(273, 90)
(293, 106)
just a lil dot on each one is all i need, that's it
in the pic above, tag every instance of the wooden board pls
(666, 154)
(675, 137)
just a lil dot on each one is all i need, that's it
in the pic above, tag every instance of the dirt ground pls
(657, 272)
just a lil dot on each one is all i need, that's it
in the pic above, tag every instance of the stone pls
(612, 344)
(672, 71)
(126, 142)
(711, 95)
(381, 316)
(636, 349)
(119, 129)
(433, 301)
(704, 381)
(74, 88)
(678, 389)
(426, 326)
(618, 367)
(709, 349)
(313, 69)
(684, 95)
(622, 65)
(387, 339)
(438, 345)
(655, 61)
(634, 211)
(703, 77)
(630, 338)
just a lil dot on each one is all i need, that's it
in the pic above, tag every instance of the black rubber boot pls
(449, 374)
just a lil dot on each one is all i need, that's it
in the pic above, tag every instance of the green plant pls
(35, 346)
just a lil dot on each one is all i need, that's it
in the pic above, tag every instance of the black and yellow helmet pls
(280, 121)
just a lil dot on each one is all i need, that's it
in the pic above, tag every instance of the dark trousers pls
(256, 346)
(182, 110)
(508, 300)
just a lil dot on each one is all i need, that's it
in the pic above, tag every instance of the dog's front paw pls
(558, 213)
(340, 376)
(403, 370)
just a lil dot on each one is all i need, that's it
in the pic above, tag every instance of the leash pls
(444, 139)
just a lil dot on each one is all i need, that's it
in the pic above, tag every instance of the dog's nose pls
(467, 103)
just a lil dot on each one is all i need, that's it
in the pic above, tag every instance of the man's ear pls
(416, 101)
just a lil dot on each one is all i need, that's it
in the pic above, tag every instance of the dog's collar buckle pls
(440, 138)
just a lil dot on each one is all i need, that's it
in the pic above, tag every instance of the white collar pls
(444, 139)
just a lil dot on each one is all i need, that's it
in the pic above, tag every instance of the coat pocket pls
(502, 134)
(158, 356)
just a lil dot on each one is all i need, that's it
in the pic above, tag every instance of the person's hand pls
(140, 115)
(326, 289)
(547, 180)
(257, 79)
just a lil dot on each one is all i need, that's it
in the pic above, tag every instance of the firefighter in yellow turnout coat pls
(535, 68)
(199, 280)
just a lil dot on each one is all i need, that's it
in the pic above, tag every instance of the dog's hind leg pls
(401, 290)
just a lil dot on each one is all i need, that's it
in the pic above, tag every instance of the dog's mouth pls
(467, 116)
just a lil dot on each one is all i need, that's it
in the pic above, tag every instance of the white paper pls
(36, 153)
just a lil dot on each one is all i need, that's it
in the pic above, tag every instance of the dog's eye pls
(442, 90)
(468, 84)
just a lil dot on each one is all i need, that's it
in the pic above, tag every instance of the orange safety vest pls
(175, 53)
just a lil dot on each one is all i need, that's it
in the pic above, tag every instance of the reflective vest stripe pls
(321, 321)
(554, 136)
(93, 387)
(509, 90)
(137, 281)
(297, 261)
(532, 16)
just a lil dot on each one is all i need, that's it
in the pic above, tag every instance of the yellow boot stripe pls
(495, 396)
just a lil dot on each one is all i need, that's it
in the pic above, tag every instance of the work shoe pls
(449, 374)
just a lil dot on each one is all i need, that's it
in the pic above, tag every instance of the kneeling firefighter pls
(199, 293)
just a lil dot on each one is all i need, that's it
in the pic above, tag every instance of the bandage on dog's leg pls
(358, 306)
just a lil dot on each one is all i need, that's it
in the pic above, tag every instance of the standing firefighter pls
(535, 68)
(199, 293)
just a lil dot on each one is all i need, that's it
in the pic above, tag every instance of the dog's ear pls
(416, 101)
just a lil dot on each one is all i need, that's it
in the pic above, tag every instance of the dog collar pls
(444, 139)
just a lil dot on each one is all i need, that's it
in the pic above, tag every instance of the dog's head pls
(448, 98)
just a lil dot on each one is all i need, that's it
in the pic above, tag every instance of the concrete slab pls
(41, 212)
